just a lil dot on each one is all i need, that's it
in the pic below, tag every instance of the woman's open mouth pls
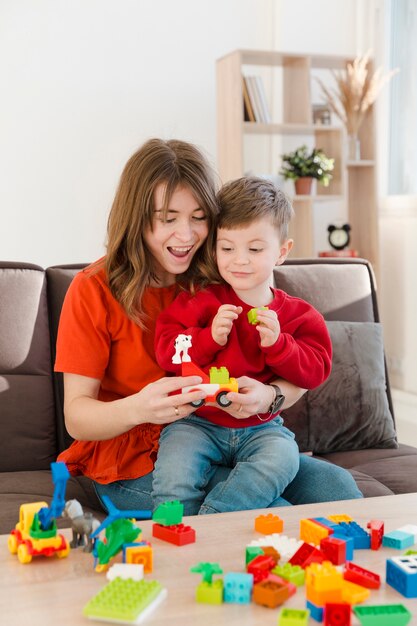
(180, 251)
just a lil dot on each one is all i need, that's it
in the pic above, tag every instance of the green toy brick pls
(123, 600)
(169, 513)
(293, 573)
(253, 314)
(219, 375)
(252, 552)
(382, 615)
(293, 617)
(210, 593)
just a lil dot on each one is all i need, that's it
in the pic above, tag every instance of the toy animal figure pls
(83, 525)
(182, 344)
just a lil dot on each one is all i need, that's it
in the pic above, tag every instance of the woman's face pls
(175, 238)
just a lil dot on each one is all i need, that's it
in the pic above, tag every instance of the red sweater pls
(302, 353)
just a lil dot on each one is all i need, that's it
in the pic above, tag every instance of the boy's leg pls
(266, 460)
(187, 451)
(320, 481)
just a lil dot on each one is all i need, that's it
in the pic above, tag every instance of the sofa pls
(349, 420)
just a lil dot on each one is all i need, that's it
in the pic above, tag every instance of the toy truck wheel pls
(23, 554)
(197, 403)
(222, 400)
(12, 543)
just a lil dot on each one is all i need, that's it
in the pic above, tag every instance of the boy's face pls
(247, 256)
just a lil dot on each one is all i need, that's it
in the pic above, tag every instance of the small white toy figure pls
(182, 344)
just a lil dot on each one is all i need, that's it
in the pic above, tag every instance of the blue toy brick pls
(398, 539)
(326, 522)
(316, 612)
(237, 587)
(349, 544)
(361, 539)
(401, 574)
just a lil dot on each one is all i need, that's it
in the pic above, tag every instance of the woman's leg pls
(320, 481)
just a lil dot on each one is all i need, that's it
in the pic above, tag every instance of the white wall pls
(85, 82)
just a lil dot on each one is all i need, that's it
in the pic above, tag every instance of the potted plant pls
(303, 165)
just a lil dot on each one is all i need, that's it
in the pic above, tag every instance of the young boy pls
(289, 341)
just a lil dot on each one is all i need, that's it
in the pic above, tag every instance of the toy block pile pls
(321, 560)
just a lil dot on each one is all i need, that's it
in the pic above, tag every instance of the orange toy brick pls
(270, 594)
(178, 534)
(139, 553)
(268, 524)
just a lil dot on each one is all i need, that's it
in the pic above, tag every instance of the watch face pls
(339, 238)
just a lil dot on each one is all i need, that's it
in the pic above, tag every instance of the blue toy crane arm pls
(115, 513)
(60, 477)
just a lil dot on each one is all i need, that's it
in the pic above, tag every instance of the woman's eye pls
(199, 219)
(224, 249)
(255, 249)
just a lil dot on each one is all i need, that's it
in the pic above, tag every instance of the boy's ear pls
(284, 251)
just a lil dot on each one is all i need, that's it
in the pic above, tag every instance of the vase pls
(303, 186)
(354, 148)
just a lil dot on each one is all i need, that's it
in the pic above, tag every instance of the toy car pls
(217, 384)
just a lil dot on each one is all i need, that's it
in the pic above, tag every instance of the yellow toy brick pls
(310, 532)
(269, 524)
(353, 593)
(219, 375)
(340, 518)
(323, 576)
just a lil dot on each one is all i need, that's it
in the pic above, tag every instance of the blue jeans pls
(316, 481)
(264, 458)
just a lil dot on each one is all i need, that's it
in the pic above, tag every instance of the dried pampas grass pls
(357, 91)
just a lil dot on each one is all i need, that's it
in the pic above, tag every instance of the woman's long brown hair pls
(129, 265)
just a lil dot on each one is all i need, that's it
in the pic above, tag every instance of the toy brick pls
(376, 527)
(293, 617)
(340, 518)
(401, 573)
(361, 576)
(316, 612)
(337, 614)
(253, 314)
(237, 587)
(269, 524)
(207, 570)
(179, 534)
(124, 600)
(323, 576)
(125, 570)
(353, 593)
(270, 594)
(271, 552)
(260, 567)
(168, 513)
(293, 573)
(383, 615)
(324, 521)
(349, 544)
(139, 554)
(398, 539)
(410, 529)
(210, 593)
(219, 375)
(312, 532)
(305, 555)
(252, 552)
(361, 539)
(286, 546)
(334, 550)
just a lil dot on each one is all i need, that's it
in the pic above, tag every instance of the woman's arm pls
(88, 418)
(255, 397)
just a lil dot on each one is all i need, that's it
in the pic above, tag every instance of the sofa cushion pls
(349, 411)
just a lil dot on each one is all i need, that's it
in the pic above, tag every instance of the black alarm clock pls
(339, 236)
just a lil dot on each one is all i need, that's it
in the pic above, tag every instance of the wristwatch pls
(278, 401)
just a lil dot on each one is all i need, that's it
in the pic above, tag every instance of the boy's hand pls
(268, 328)
(223, 322)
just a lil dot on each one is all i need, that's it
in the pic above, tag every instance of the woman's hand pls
(255, 397)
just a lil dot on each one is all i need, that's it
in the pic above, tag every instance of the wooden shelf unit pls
(353, 182)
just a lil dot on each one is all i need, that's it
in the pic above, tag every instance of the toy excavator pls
(36, 532)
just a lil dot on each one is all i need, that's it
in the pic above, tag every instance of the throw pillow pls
(350, 410)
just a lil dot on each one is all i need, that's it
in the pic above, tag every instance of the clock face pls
(339, 238)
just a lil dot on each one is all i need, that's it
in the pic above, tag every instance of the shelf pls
(273, 58)
(361, 163)
(258, 128)
(319, 198)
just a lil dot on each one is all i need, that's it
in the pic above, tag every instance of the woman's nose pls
(184, 231)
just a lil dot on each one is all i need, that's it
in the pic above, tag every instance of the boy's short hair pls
(246, 199)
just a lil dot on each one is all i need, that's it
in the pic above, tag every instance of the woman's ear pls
(284, 251)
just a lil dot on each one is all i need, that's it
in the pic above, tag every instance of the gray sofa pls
(348, 420)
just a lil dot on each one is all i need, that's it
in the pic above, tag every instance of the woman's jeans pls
(264, 458)
(316, 481)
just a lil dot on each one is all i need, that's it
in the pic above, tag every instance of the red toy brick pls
(178, 534)
(337, 614)
(364, 577)
(376, 527)
(334, 550)
(260, 567)
(306, 554)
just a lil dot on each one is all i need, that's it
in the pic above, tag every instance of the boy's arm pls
(302, 353)
(187, 315)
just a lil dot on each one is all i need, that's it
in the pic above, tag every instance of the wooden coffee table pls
(52, 592)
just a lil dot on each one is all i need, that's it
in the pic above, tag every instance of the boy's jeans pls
(264, 458)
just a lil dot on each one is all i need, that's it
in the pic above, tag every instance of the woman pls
(160, 237)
